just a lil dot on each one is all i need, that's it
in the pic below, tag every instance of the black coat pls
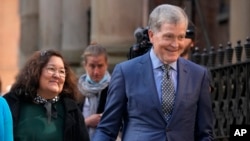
(75, 129)
(102, 101)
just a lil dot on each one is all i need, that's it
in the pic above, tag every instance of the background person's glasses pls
(52, 71)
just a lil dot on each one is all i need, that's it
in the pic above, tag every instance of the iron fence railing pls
(231, 83)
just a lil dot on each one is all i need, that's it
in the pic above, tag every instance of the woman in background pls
(93, 85)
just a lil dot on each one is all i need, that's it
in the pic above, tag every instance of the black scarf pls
(49, 105)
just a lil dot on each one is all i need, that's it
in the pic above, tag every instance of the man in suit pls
(136, 97)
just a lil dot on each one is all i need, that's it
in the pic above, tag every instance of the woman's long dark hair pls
(27, 81)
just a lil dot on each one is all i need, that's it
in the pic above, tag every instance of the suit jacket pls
(133, 100)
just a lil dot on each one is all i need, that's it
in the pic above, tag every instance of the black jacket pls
(75, 129)
(102, 101)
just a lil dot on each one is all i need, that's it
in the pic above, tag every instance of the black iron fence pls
(230, 71)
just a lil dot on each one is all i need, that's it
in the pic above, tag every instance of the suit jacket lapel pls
(182, 76)
(149, 82)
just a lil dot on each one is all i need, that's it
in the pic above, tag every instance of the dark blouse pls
(34, 125)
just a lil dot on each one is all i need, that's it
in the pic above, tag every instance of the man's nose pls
(175, 42)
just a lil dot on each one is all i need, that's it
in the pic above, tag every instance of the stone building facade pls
(69, 26)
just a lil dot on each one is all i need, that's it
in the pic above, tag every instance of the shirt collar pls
(157, 62)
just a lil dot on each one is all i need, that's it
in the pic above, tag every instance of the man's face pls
(168, 41)
(96, 66)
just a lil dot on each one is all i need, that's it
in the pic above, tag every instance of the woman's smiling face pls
(52, 78)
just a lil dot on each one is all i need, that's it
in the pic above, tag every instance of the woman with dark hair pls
(43, 101)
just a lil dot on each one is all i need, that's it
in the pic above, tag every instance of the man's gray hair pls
(166, 14)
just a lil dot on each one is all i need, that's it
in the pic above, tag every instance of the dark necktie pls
(168, 92)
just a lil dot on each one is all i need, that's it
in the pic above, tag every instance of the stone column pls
(50, 24)
(239, 22)
(75, 29)
(28, 10)
(113, 23)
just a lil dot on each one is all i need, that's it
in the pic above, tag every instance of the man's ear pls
(150, 35)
